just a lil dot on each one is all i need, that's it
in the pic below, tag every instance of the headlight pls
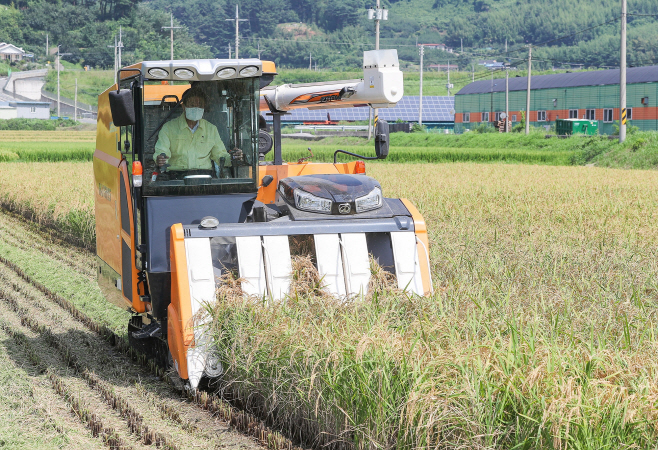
(226, 72)
(371, 201)
(185, 74)
(249, 71)
(158, 73)
(309, 202)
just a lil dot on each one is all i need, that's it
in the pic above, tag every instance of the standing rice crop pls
(55, 195)
(541, 332)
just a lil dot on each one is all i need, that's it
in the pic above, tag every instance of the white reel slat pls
(250, 265)
(330, 263)
(278, 265)
(407, 265)
(356, 263)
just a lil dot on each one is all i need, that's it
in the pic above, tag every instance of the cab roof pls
(200, 69)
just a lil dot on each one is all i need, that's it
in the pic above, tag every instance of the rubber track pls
(242, 421)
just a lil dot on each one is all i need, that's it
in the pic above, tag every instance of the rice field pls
(55, 195)
(541, 332)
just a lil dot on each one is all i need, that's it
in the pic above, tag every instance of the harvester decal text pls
(318, 97)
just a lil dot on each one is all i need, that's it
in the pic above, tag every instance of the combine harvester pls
(166, 233)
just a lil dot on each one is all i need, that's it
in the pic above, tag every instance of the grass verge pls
(47, 151)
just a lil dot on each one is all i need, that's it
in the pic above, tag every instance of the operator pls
(190, 143)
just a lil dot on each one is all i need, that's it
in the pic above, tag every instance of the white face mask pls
(194, 114)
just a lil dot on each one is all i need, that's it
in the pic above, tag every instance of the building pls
(11, 53)
(592, 95)
(24, 110)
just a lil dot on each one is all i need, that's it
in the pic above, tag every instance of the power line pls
(545, 43)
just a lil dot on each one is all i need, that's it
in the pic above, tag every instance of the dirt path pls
(63, 384)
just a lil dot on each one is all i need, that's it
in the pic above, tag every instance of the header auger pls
(183, 194)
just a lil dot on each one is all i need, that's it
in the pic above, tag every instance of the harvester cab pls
(185, 192)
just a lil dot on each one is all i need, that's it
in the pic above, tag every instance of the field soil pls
(62, 385)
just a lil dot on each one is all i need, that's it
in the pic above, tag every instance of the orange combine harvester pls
(167, 233)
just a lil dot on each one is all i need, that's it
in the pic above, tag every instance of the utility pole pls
(172, 27)
(420, 100)
(310, 61)
(237, 21)
(622, 76)
(527, 96)
(377, 14)
(507, 101)
(115, 57)
(120, 46)
(491, 111)
(505, 45)
(47, 45)
(229, 50)
(75, 101)
(59, 56)
(58, 115)
(449, 86)
(461, 40)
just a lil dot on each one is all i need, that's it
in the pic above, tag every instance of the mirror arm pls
(368, 158)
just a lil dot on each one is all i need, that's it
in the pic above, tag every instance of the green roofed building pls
(590, 95)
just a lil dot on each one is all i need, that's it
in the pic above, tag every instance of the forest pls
(332, 34)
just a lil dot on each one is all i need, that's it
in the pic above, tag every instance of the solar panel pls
(435, 109)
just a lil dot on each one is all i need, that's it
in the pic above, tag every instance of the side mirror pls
(265, 142)
(122, 107)
(381, 139)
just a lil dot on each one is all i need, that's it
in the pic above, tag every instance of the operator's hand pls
(161, 160)
(236, 154)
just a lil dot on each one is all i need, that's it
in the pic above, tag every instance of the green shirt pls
(187, 150)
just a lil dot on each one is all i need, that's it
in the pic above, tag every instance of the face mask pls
(194, 114)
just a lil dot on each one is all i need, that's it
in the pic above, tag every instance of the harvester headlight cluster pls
(226, 72)
(309, 202)
(158, 73)
(185, 74)
(249, 71)
(368, 202)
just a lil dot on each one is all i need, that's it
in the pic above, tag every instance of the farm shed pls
(592, 95)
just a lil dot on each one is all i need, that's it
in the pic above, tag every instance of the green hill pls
(332, 34)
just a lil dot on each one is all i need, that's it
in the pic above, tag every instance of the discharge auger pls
(175, 210)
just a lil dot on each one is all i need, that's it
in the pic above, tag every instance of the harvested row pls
(110, 375)
(80, 399)
(26, 288)
(134, 420)
(43, 242)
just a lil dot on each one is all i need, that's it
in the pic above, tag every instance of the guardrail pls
(333, 127)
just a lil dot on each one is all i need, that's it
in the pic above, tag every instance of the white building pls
(9, 52)
(24, 110)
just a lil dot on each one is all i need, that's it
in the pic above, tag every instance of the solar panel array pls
(435, 109)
